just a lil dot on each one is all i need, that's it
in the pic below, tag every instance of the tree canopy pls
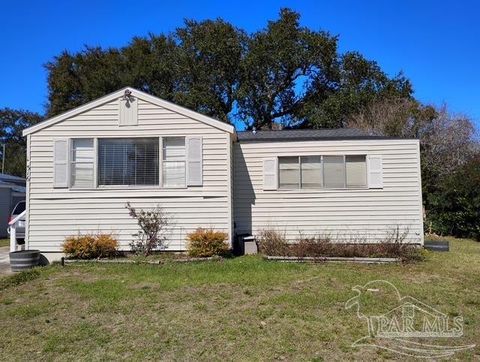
(12, 123)
(284, 73)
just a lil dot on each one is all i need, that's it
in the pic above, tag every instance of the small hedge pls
(274, 243)
(203, 243)
(90, 246)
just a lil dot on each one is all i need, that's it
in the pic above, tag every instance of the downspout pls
(27, 198)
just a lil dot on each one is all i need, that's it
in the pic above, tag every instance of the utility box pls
(245, 244)
(250, 245)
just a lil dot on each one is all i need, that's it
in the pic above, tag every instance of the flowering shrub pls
(90, 246)
(207, 242)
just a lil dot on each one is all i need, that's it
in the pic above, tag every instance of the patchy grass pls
(242, 309)
(4, 242)
(19, 278)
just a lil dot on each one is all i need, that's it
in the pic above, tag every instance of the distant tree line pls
(285, 75)
(12, 145)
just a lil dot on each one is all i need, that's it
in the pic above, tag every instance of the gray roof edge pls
(320, 138)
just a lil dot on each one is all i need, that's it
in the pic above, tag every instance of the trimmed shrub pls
(90, 246)
(204, 243)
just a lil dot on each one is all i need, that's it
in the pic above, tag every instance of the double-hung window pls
(314, 172)
(289, 172)
(356, 171)
(173, 162)
(300, 172)
(128, 161)
(311, 172)
(82, 163)
(334, 171)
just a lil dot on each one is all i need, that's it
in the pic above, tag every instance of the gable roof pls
(136, 93)
(306, 134)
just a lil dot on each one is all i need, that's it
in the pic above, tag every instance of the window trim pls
(97, 186)
(323, 187)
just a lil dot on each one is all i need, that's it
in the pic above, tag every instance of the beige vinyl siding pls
(342, 213)
(55, 212)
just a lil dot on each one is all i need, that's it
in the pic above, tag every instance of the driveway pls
(4, 260)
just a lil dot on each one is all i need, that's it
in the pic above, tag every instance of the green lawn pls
(243, 309)
(4, 242)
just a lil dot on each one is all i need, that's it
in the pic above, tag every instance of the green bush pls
(207, 242)
(455, 208)
(90, 246)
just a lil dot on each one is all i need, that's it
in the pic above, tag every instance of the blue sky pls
(435, 43)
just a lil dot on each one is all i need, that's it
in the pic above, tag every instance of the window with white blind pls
(334, 171)
(173, 162)
(128, 161)
(356, 171)
(311, 175)
(300, 172)
(289, 172)
(313, 172)
(82, 161)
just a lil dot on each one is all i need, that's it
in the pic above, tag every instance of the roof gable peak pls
(135, 93)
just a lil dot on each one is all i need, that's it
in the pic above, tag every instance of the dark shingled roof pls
(306, 134)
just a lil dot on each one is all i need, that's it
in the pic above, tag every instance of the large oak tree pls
(285, 73)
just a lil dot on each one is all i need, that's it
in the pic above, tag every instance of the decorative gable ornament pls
(128, 109)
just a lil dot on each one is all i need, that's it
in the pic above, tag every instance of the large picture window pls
(313, 172)
(128, 161)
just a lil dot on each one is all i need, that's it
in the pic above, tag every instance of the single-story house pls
(12, 191)
(129, 146)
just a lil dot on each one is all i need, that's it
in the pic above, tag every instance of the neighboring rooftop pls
(306, 134)
(10, 178)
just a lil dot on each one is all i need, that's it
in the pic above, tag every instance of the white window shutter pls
(60, 161)
(128, 111)
(375, 172)
(270, 177)
(194, 161)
